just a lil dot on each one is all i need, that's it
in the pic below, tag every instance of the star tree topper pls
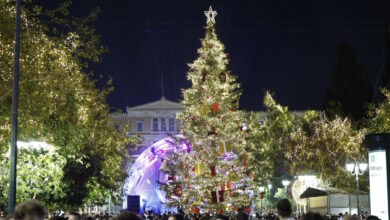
(210, 14)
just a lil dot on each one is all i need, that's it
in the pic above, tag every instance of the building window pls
(139, 125)
(163, 125)
(171, 124)
(155, 124)
(116, 126)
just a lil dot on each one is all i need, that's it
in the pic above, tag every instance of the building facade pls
(151, 122)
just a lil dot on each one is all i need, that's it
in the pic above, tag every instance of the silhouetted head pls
(74, 216)
(312, 216)
(30, 210)
(284, 208)
(127, 216)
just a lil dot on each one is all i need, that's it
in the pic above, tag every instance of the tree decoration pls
(222, 77)
(245, 158)
(213, 171)
(171, 177)
(228, 185)
(224, 147)
(199, 169)
(204, 110)
(204, 75)
(178, 190)
(210, 14)
(217, 196)
(232, 176)
(215, 107)
(211, 132)
(195, 210)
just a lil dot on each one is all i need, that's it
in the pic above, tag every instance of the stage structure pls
(145, 174)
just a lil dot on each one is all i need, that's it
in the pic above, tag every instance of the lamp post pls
(269, 196)
(261, 189)
(14, 119)
(285, 184)
(357, 169)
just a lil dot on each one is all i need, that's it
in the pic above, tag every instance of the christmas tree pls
(173, 165)
(215, 175)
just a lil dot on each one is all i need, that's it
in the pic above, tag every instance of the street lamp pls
(357, 169)
(285, 184)
(269, 196)
(14, 117)
(261, 189)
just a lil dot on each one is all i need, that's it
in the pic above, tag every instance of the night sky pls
(287, 47)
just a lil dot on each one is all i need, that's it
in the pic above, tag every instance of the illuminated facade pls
(152, 121)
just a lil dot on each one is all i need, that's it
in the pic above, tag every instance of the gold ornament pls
(199, 169)
(226, 89)
(232, 176)
(198, 202)
(204, 110)
(225, 147)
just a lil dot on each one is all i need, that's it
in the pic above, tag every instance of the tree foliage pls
(260, 152)
(58, 101)
(175, 168)
(349, 89)
(40, 174)
(310, 143)
(379, 116)
(321, 146)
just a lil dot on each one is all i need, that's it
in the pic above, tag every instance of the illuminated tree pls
(260, 152)
(175, 168)
(310, 143)
(45, 184)
(58, 101)
(277, 124)
(379, 117)
(322, 146)
(212, 124)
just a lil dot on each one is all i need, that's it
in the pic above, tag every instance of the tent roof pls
(324, 191)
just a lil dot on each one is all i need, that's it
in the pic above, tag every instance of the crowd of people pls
(34, 210)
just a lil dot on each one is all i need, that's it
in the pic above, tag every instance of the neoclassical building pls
(151, 121)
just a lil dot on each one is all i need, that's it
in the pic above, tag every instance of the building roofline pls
(152, 105)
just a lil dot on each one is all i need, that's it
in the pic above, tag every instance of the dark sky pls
(287, 47)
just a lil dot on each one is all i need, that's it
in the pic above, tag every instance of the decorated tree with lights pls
(260, 152)
(45, 185)
(60, 105)
(379, 116)
(310, 143)
(212, 124)
(175, 168)
(322, 146)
